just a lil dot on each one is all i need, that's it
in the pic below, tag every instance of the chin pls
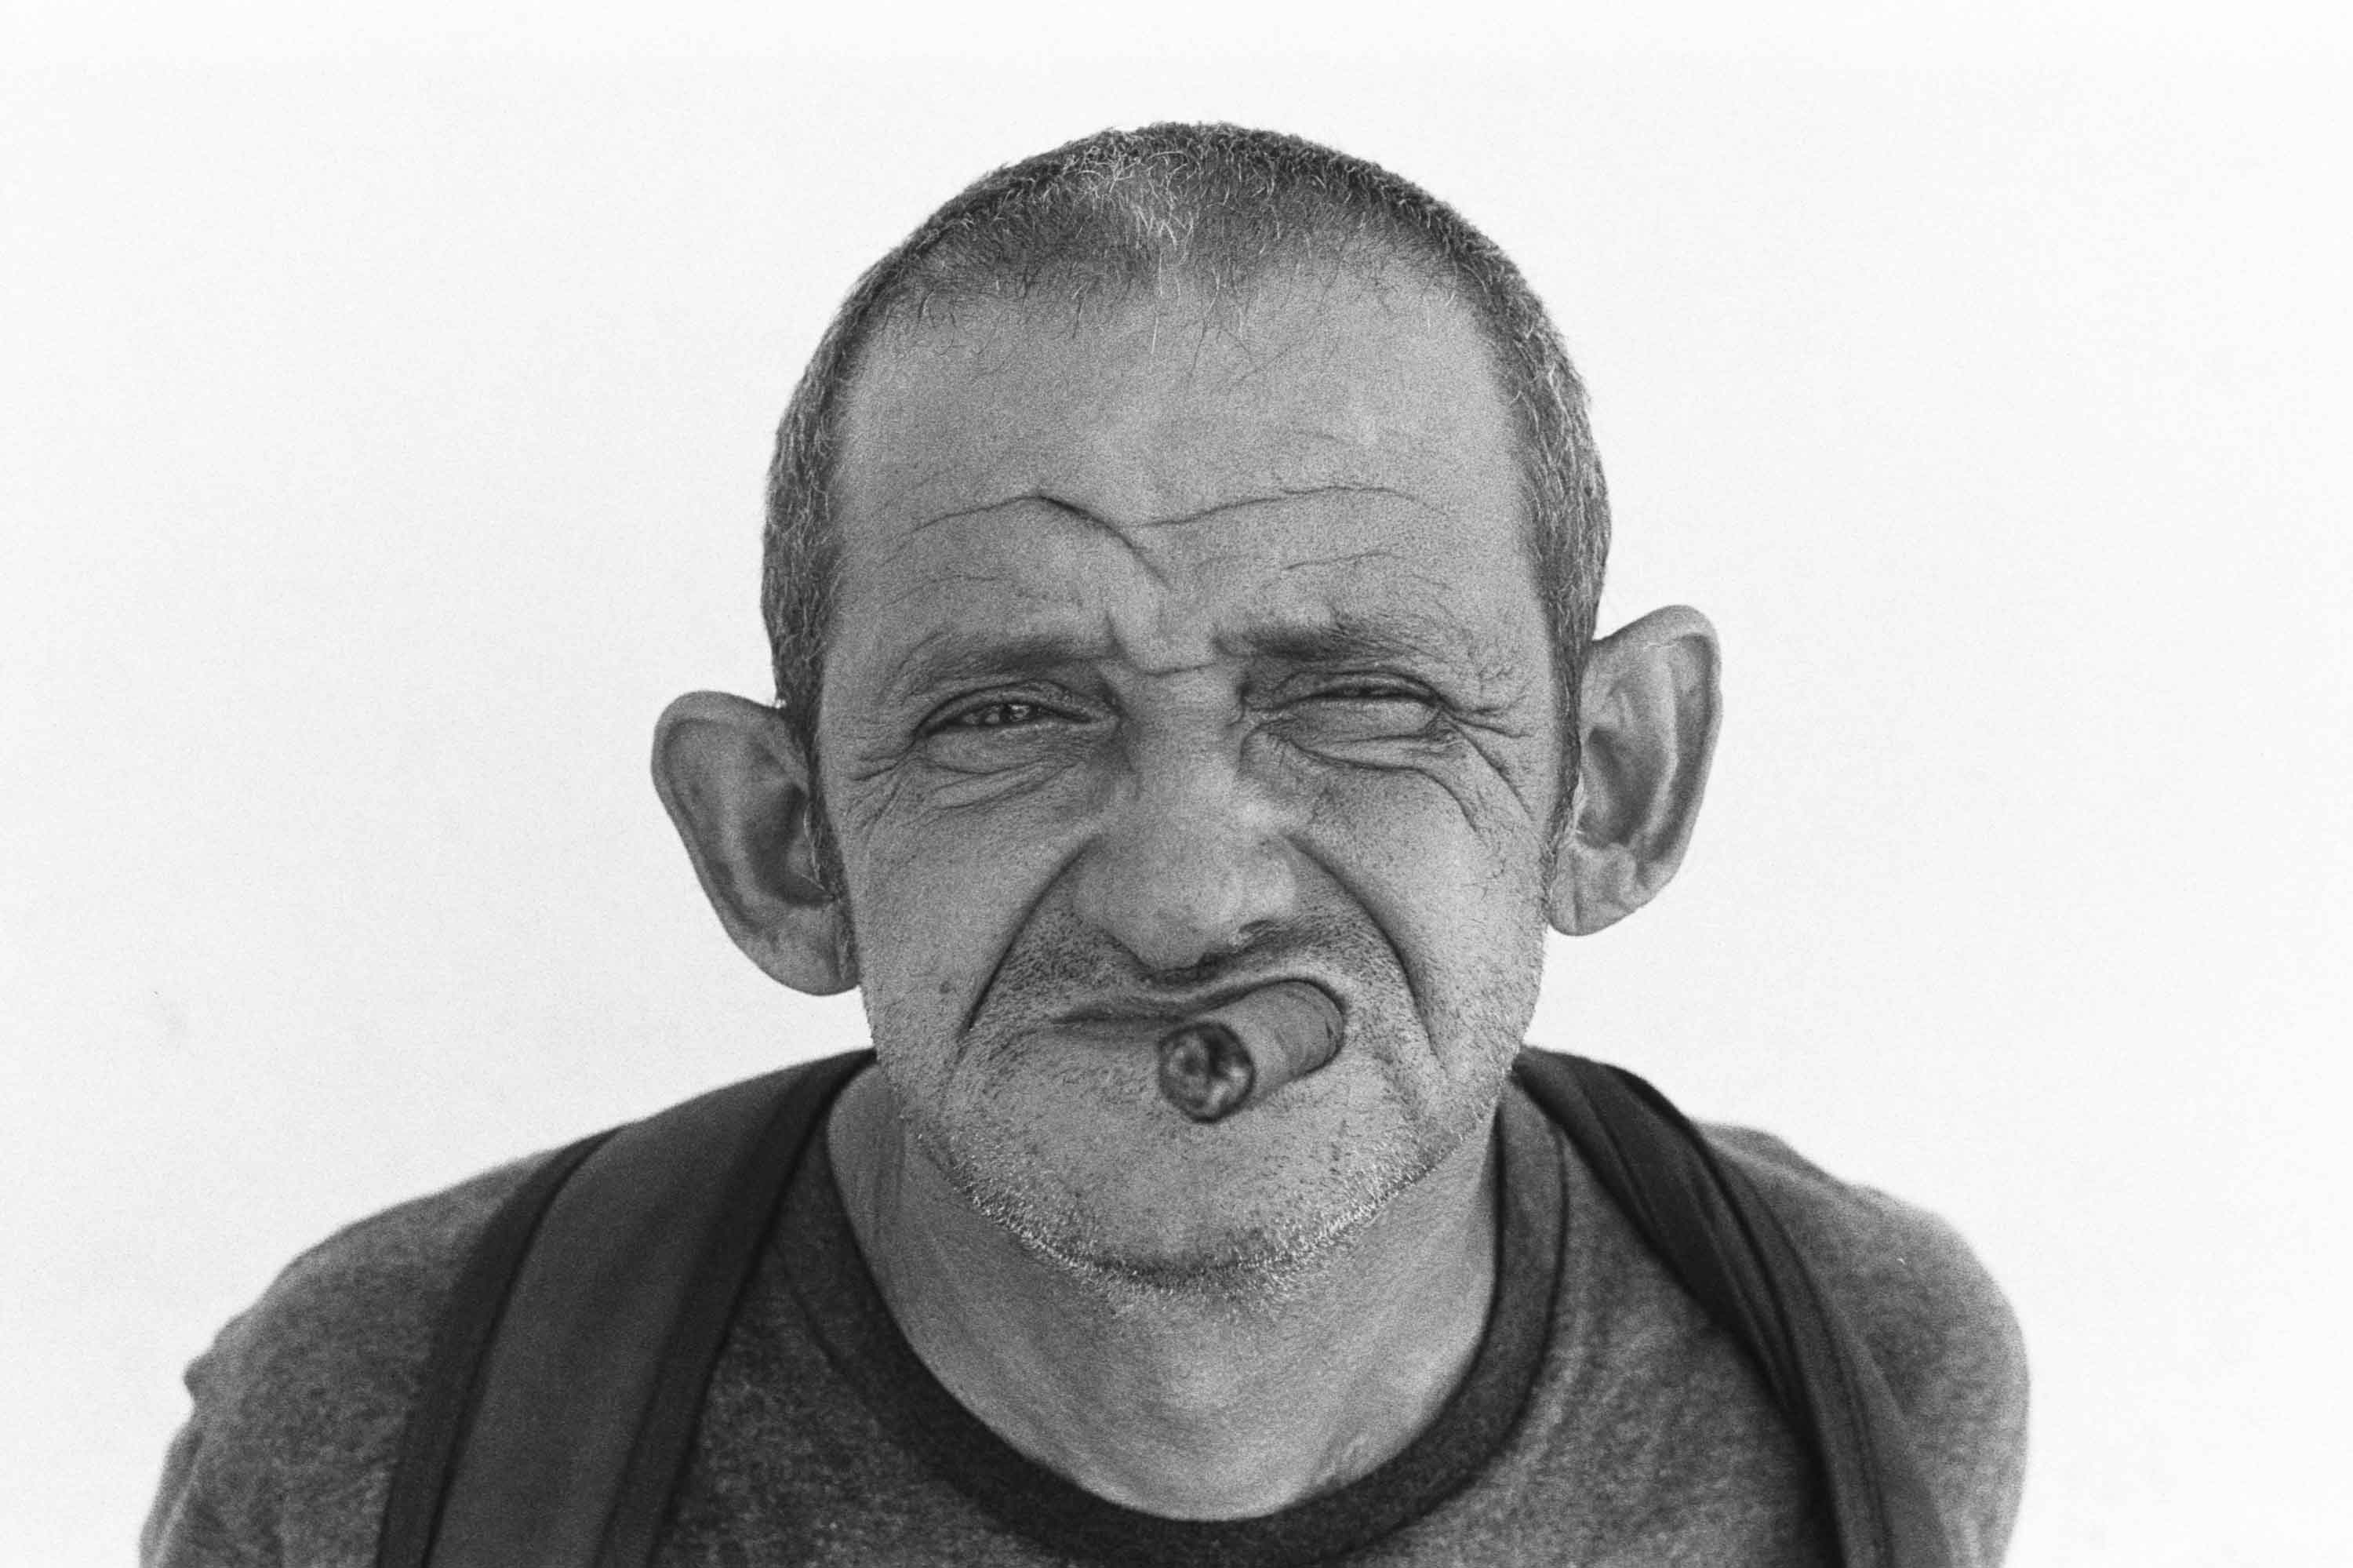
(1153, 1208)
(1224, 1260)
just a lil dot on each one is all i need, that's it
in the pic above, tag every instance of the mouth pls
(1225, 1052)
(1150, 1012)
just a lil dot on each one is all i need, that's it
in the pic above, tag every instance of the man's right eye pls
(995, 716)
(986, 735)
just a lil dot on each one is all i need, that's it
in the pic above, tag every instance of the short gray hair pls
(1219, 207)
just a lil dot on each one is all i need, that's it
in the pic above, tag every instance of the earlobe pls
(737, 785)
(1648, 709)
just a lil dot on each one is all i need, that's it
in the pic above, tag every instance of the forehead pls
(1170, 405)
(1209, 447)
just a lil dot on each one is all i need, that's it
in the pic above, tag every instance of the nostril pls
(1189, 975)
(1210, 956)
(1193, 976)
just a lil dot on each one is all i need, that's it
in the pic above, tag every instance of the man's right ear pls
(737, 786)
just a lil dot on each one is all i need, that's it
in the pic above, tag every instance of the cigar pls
(1237, 1054)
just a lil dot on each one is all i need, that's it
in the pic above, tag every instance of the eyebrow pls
(955, 653)
(1346, 638)
(1429, 644)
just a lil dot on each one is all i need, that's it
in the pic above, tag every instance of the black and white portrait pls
(1373, 791)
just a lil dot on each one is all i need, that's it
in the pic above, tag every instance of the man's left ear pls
(1648, 711)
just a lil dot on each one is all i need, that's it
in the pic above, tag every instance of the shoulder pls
(1938, 1324)
(299, 1402)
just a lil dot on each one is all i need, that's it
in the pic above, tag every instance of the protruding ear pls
(737, 785)
(1648, 709)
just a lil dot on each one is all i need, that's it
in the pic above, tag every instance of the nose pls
(1191, 864)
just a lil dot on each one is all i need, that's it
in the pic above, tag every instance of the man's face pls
(1175, 655)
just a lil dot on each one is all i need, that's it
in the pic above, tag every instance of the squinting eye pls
(996, 716)
(987, 735)
(1370, 692)
(1362, 712)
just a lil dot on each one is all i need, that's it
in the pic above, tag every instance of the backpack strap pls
(1725, 1244)
(559, 1401)
(558, 1405)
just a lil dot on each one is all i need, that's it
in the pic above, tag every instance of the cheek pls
(936, 897)
(1451, 874)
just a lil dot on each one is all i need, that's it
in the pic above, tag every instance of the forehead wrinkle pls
(1120, 528)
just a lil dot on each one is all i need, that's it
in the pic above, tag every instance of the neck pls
(1183, 1406)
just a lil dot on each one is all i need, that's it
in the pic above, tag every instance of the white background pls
(383, 410)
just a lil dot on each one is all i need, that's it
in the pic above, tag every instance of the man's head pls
(1182, 563)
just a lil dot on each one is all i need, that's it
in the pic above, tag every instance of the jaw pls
(1096, 1179)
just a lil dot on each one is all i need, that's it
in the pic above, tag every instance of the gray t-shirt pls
(1604, 1420)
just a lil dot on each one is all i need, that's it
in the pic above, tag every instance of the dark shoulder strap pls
(1722, 1240)
(559, 1401)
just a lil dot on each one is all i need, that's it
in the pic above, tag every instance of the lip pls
(1163, 1012)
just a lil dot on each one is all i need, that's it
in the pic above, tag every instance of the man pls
(1182, 562)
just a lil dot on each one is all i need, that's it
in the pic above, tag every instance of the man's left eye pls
(1364, 710)
(1370, 691)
